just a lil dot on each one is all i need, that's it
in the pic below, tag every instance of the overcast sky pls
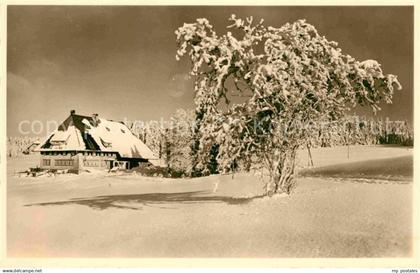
(120, 62)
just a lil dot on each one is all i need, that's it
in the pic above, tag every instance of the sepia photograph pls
(209, 131)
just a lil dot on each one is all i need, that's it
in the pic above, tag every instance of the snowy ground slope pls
(342, 154)
(392, 169)
(109, 215)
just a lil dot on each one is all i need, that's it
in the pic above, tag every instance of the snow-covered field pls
(341, 208)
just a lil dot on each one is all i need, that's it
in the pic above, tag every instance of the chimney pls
(72, 112)
(95, 119)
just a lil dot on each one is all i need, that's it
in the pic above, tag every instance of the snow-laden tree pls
(152, 134)
(292, 75)
(179, 139)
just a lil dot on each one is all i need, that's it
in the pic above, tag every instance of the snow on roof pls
(75, 141)
(83, 133)
(115, 136)
(60, 136)
(71, 139)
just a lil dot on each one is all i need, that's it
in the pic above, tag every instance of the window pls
(122, 131)
(46, 162)
(91, 163)
(107, 129)
(64, 162)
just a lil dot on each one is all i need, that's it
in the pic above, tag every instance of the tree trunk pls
(195, 171)
(282, 174)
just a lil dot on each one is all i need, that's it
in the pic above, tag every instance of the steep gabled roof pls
(76, 121)
(80, 133)
(73, 129)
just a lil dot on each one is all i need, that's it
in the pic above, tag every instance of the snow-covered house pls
(90, 142)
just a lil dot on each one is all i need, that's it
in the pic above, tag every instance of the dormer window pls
(106, 144)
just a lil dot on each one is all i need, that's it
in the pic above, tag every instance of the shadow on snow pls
(132, 201)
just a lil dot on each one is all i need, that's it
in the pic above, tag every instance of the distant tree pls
(292, 76)
(152, 134)
(179, 141)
